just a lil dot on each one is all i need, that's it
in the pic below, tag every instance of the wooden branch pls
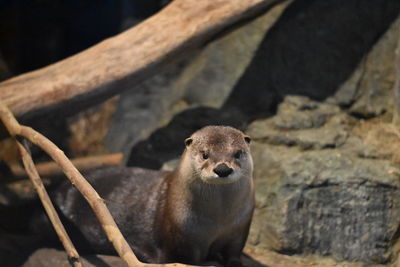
(82, 164)
(95, 201)
(120, 62)
(72, 254)
(91, 196)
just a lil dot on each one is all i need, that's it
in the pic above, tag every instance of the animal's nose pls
(222, 170)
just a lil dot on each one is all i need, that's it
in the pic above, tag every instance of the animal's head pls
(218, 155)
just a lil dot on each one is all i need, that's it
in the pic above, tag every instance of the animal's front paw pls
(234, 263)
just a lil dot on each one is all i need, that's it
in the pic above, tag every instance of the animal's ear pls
(188, 141)
(247, 139)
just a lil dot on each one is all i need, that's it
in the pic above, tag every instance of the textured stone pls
(299, 112)
(341, 207)
(368, 91)
(304, 123)
(141, 111)
(313, 48)
(326, 200)
(213, 73)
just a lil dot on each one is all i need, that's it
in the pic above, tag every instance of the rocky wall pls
(317, 193)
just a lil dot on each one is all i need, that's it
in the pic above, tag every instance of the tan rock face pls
(321, 199)
(369, 90)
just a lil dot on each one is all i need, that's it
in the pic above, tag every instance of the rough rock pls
(141, 111)
(211, 75)
(312, 49)
(369, 90)
(326, 200)
(304, 123)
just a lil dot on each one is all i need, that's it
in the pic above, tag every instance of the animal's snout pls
(222, 170)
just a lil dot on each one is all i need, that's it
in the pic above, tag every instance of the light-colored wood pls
(82, 164)
(72, 254)
(120, 62)
(104, 216)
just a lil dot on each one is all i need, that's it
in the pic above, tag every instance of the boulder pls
(369, 90)
(322, 198)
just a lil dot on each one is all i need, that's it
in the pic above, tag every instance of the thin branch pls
(91, 196)
(95, 201)
(82, 164)
(72, 254)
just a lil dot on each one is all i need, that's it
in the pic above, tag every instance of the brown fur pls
(219, 220)
(190, 215)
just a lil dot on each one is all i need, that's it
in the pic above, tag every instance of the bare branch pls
(72, 254)
(95, 201)
(82, 164)
(120, 62)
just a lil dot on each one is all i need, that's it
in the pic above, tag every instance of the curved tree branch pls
(95, 201)
(118, 63)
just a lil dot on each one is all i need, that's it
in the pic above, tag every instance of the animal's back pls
(131, 194)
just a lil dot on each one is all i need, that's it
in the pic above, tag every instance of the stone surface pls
(142, 110)
(210, 77)
(304, 123)
(312, 49)
(325, 200)
(369, 90)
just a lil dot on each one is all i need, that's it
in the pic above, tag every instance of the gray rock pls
(144, 109)
(300, 112)
(213, 73)
(368, 91)
(326, 200)
(312, 50)
(325, 203)
(304, 123)
(340, 206)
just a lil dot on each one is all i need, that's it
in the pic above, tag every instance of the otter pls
(199, 212)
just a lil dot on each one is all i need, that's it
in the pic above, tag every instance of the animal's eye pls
(238, 154)
(205, 155)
